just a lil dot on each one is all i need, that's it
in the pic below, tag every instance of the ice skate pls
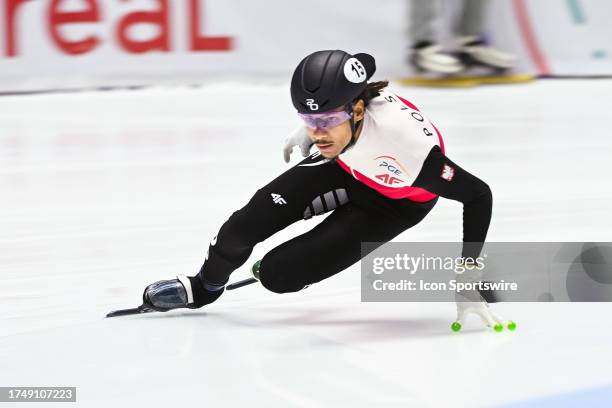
(474, 63)
(474, 51)
(479, 65)
(162, 296)
(178, 293)
(428, 58)
(171, 294)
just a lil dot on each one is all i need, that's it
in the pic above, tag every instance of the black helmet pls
(325, 80)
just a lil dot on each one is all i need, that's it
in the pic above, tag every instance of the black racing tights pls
(314, 186)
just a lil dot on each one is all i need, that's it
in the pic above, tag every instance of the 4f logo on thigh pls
(278, 199)
(312, 105)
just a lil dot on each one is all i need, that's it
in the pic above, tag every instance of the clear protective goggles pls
(325, 120)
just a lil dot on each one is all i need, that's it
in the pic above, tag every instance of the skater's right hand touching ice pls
(486, 315)
(470, 301)
(464, 308)
(298, 137)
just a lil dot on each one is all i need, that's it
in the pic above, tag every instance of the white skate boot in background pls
(429, 57)
(473, 63)
(473, 51)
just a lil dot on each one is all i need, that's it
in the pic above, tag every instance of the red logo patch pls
(388, 179)
(447, 173)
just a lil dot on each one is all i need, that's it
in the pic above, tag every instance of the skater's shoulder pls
(391, 101)
(391, 112)
(403, 97)
(391, 118)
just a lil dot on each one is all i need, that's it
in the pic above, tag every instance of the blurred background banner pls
(556, 37)
(72, 44)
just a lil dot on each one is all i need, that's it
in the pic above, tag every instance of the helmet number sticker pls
(312, 105)
(354, 71)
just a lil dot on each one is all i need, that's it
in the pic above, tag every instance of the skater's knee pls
(278, 281)
(278, 285)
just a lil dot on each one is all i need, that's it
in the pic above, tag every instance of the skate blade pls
(241, 283)
(127, 312)
(467, 81)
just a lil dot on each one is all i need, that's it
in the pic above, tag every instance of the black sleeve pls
(441, 176)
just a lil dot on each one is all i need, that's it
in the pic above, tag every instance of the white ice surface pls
(105, 192)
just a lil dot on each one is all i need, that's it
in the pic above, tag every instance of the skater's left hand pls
(484, 312)
(298, 137)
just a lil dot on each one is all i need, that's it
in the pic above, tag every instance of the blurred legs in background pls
(472, 50)
(427, 55)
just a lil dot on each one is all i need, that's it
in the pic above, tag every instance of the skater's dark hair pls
(372, 91)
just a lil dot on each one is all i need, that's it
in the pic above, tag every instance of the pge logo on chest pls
(391, 165)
